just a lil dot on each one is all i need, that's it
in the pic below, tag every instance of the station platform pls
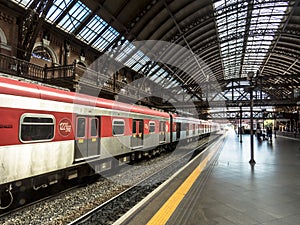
(221, 187)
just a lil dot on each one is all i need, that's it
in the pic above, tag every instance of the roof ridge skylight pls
(243, 51)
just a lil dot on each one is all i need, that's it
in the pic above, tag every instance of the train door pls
(137, 138)
(202, 128)
(93, 137)
(87, 140)
(178, 129)
(187, 129)
(162, 131)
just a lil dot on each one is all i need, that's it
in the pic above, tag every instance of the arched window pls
(3, 41)
(42, 53)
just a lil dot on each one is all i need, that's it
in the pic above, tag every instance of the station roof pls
(224, 39)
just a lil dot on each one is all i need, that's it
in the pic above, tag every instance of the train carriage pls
(49, 135)
(187, 128)
(44, 130)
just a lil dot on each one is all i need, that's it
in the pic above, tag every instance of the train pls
(48, 135)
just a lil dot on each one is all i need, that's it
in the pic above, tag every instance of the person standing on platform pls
(258, 133)
(269, 134)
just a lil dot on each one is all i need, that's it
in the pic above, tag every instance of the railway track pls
(67, 205)
(49, 193)
(113, 209)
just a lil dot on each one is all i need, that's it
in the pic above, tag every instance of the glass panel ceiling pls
(56, 10)
(105, 39)
(236, 42)
(92, 29)
(24, 3)
(97, 33)
(74, 17)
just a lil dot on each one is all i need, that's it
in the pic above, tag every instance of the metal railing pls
(55, 72)
(74, 73)
(21, 68)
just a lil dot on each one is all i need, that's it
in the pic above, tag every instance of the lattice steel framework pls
(231, 37)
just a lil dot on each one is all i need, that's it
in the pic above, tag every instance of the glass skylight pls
(59, 6)
(171, 84)
(125, 50)
(24, 3)
(98, 34)
(266, 17)
(157, 76)
(92, 29)
(106, 38)
(74, 17)
(241, 50)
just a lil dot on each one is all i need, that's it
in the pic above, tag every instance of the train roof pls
(20, 88)
(189, 119)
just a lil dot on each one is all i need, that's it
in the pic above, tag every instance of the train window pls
(81, 123)
(118, 127)
(94, 127)
(151, 127)
(134, 126)
(36, 127)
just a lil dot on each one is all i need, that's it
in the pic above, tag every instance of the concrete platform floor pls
(234, 192)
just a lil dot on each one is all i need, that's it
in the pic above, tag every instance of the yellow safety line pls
(165, 212)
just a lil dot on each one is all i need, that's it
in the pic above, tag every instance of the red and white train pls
(48, 135)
